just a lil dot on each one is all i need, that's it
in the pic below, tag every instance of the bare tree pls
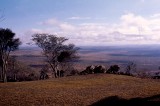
(55, 51)
(7, 44)
(13, 67)
(131, 67)
(43, 72)
(1, 76)
(2, 16)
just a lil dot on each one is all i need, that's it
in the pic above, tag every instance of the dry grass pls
(77, 90)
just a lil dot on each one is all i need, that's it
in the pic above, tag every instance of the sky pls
(85, 22)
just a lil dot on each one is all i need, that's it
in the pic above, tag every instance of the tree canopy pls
(55, 50)
(8, 43)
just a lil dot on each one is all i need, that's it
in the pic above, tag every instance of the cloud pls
(133, 20)
(66, 27)
(147, 26)
(142, 1)
(52, 21)
(131, 29)
(155, 15)
(79, 18)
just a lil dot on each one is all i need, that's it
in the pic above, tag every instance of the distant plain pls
(146, 57)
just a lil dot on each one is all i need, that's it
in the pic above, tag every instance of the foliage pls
(94, 69)
(113, 69)
(131, 67)
(55, 50)
(74, 72)
(20, 72)
(7, 44)
(143, 74)
(99, 69)
(43, 73)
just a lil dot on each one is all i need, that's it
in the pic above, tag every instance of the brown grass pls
(77, 90)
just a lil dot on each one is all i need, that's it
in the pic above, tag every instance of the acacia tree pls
(55, 51)
(7, 44)
(130, 67)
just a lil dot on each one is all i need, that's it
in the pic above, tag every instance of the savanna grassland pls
(100, 89)
(82, 90)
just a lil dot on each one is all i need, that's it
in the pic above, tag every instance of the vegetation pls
(113, 69)
(7, 44)
(95, 89)
(131, 68)
(81, 91)
(56, 52)
(94, 69)
(18, 71)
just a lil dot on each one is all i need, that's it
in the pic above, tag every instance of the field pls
(146, 57)
(100, 89)
(93, 90)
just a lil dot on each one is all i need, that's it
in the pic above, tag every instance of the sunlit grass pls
(77, 90)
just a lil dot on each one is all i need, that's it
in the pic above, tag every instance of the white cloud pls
(52, 21)
(79, 18)
(142, 1)
(131, 29)
(66, 27)
(133, 20)
(156, 15)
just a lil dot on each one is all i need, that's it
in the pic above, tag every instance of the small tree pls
(7, 44)
(43, 73)
(113, 69)
(55, 51)
(12, 67)
(131, 67)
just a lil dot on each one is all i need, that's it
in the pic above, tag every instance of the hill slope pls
(80, 90)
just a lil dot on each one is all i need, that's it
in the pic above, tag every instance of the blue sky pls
(85, 22)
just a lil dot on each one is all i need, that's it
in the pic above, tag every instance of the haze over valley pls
(146, 57)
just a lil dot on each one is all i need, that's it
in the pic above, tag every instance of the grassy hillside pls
(81, 90)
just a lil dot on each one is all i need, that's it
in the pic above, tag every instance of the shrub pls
(74, 72)
(100, 69)
(113, 69)
(21, 72)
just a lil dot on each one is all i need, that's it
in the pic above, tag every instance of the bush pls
(113, 69)
(142, 74)
(130, 68)
(74, 72)
(22, 72)
(100, 69)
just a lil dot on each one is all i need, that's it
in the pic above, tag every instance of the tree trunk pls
(4, 70)
(55, 69)
(0, 73)
(15, 77)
